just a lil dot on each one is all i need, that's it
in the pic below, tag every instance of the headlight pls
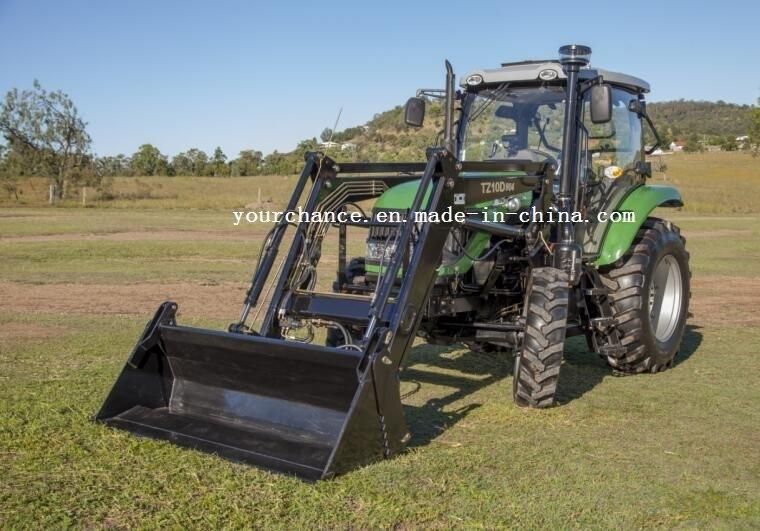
(513, 204)
(380, 252)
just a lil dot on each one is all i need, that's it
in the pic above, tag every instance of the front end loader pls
(481, 245)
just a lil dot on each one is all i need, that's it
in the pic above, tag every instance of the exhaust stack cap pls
(574, 54)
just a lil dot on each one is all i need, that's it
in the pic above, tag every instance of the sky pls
(264, 75)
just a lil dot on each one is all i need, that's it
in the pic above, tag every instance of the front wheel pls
(650, 298)
(538, 363)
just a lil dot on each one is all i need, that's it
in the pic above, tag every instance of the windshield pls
(503, 123)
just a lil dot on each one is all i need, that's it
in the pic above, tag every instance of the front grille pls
(382, 233)
(387, 232)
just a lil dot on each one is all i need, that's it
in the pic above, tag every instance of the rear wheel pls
(650, 298)
(538, 363)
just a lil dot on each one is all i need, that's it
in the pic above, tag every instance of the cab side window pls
(615, 147)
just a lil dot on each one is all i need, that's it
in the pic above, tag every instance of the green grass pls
(676, 449)
(15, 221)
(126, 262)
(714, 183)
(196, 193)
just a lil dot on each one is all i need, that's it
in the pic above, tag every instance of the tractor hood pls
(400, 197)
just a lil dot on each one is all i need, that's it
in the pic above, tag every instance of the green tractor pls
(530, 223)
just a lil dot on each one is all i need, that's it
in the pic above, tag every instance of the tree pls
(198, 161)
(45, 134)
(248, 163)
(310, 144)
(116, 166)
(182, 164)
(326, 134)
(8, 175)
(148, 160)
(693, 144)
(754, 129)
(276, 164)
(729, 144)
(218, 162)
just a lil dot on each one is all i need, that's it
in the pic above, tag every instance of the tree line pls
(46, 137)
(148, 160)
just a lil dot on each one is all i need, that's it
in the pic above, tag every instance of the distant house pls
(328, 145)
(676, 146)
(347, 146)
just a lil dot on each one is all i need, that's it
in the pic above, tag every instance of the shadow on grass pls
(692, 339)
(460, 375)
(582, 370)
(465, 374)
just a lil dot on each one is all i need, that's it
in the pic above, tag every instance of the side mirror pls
(601, 104)
(414, 112)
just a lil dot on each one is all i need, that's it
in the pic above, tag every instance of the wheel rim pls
(665, 297)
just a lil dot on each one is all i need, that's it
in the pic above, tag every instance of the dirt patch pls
(716, 300)
(212, 301)
(234, 234)
(718, 234)
(725, 300)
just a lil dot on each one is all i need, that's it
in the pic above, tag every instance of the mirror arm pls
(586, 85)
(658, 140)
(438, 94)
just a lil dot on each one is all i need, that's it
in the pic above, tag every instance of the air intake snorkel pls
(567, 253)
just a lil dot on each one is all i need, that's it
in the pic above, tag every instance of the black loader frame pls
(310, 410)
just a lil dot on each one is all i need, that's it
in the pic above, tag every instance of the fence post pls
(51, 194)
(84, 196)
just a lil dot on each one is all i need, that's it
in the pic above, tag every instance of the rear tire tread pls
(627, 278)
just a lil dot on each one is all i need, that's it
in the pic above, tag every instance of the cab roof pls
(550, 70)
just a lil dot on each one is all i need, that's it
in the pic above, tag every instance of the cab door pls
(609, 164)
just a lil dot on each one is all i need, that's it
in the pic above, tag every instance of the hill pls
(682, 118)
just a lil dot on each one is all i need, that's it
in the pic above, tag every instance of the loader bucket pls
(290, 407)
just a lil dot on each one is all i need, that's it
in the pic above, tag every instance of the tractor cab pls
(519, 109)
(518, 112)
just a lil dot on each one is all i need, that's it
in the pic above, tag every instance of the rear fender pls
(641, 201)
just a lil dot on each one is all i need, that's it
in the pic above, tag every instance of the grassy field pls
(676, 449)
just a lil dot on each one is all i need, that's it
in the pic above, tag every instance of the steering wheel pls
(551, 159)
